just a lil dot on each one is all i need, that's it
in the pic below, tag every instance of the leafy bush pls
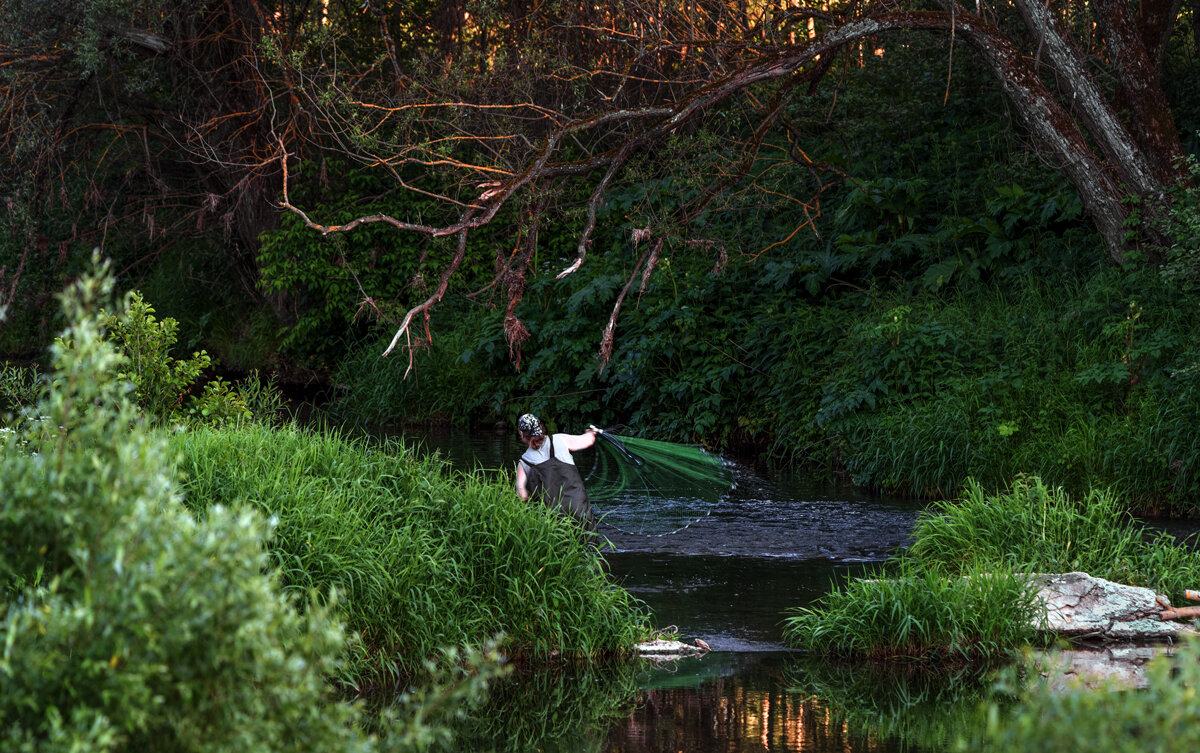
(163, 384)
(130, 625)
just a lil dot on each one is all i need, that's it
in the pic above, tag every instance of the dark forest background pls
(903, 245)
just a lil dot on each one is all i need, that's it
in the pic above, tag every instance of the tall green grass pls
(909, 613)
(420, 557)
(1035, 528)
(1088, 384)
(961, 590)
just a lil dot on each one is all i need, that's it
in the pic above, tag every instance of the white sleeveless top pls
(542, 454)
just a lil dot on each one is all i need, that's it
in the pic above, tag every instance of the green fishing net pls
(651, 487)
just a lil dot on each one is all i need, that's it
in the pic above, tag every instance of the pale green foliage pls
(165, 387)
(130, 625)
(161, 382)
(1162, 717)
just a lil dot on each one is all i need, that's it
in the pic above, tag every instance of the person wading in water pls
(546, 471)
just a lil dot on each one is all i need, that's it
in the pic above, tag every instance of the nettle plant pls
(164, 386)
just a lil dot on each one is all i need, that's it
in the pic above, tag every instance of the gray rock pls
(1082, 607)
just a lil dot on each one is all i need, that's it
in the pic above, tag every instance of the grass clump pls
(1034, 528)
(422, 558)
(961, 590)
(919, 615)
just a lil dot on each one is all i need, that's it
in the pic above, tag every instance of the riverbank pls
(421, 557)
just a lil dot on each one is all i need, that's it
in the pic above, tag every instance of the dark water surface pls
(727, 579)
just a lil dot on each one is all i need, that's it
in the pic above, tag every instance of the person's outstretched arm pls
(581, 441)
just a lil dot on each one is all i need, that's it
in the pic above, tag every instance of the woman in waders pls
(546, 471)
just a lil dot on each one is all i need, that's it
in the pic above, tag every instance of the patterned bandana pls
(530, 425)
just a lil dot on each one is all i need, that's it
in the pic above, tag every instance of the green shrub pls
(128, 624)
(161, 382)
(1106, 719)
(164, 385)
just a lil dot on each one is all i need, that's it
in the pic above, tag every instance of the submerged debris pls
(663, 649)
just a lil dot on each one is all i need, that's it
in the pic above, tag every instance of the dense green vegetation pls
(421, 557)
(206, 612)
(960, 590)
(129, 624)
(892, 285)
(922, 299)
(950, 321)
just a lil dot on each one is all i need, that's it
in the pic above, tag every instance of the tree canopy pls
(149, 122)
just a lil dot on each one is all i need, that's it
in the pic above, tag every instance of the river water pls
(727, 579)
(775, 543)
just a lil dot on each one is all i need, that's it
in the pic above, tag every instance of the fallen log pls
(1179, 613)
(1191, 595)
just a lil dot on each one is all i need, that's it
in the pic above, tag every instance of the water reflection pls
(727, 702)
(747, 708)
(925, 708)
(556, 710)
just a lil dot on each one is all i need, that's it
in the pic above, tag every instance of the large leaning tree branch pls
(649, 70)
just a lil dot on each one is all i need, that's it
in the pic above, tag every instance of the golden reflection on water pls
(736, 720)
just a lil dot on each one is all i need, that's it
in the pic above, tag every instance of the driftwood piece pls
(1179, 613)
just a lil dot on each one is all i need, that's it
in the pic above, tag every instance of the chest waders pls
(554, 482)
